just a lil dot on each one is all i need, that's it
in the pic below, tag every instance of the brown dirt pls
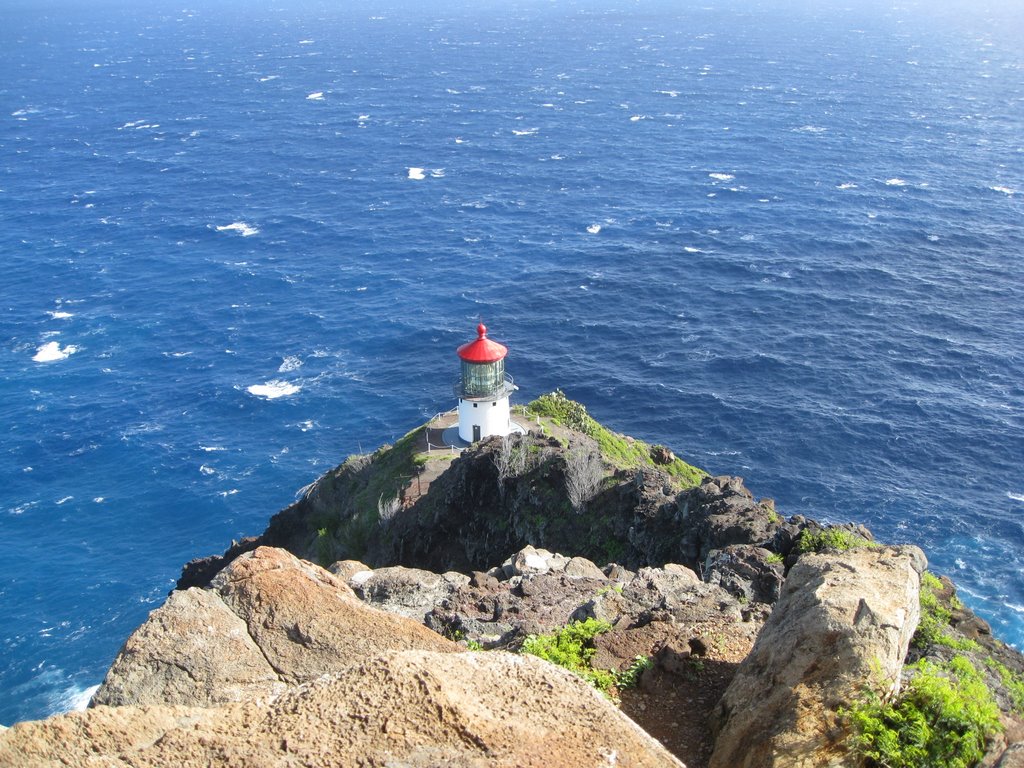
(675, 697)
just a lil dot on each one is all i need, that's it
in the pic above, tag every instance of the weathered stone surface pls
(410, 708)
(269, 620)
(408, 592)
(747, 572)
(581, 568)
(343, 569)
(191, 650)
(842, 620)
(308, 622)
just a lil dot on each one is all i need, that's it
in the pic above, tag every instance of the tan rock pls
(191, 650)
(409, 708)
(843, 621)
(269, 619)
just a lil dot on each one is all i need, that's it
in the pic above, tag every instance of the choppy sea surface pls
(240, 243)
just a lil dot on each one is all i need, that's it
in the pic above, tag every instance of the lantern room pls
(483, 389)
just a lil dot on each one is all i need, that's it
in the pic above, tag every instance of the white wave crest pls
(417, 173)
(60, 315)
(691, 249)
(273, 389)
(1004, 190)
(895, 182)
(52, 351)
(317, 96)
(240, 227)
(594, 229)
(290, 363)
(1015, 496)
(207, 470)
(722, 176)
(527, 132)
(846, 185)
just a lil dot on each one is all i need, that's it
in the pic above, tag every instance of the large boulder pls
(269, 619)
(409, 708)
(843, 621)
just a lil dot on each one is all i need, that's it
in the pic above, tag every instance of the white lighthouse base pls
(482, 418)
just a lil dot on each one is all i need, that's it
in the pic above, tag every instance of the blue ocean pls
(241, 241)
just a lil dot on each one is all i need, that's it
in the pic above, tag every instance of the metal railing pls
(507, 387)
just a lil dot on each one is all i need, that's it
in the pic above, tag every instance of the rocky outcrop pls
(409, 708)
(843, 621)
(269, 620)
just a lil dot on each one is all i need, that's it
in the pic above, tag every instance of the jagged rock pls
(581, 568)
(410, 708)
(191, 650)
(344, 569)
(747, 572)
(843, 620)
(408, 592)
(269, 619)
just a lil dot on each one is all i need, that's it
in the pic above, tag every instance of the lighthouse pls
(484, 389)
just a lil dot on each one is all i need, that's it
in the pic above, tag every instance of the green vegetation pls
(830, 540)
(573, 648)
(1013, 683)
(941, 720)
(617, 450)
(936, 617)
(774, 557)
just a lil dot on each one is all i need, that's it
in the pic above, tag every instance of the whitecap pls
(232, 492)
(290, 363)
(691, 249)
(266, 79)
(722, 176)
(317, 96)
(437, 173)
(60, 315)
(933, 238)
(207, 470)
(99, 499)
(306, 42)
(52, 351)
(363, 117)
(1015, 496)
(211, 448)
(673, 94)
(809, 129)
(637, 118)
(527, 132)
(459, 140)
(240, 227)
(417, 173)
(1004, 190)
(846, 185)
(64, 500)
(895, 182)
(273, 389)
(594, 229)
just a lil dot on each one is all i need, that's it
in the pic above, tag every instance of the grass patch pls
(942, 720)
(572, 648)
(830, 540)
(616, 450)
(1013, 683)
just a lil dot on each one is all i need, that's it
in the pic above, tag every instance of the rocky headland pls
(394, 615)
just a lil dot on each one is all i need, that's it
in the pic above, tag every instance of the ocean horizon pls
(242, 243)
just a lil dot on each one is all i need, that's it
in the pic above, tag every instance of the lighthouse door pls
(476, 433)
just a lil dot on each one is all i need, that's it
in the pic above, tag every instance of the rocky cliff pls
(382, 619)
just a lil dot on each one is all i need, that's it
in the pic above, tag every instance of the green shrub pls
(573, 648)
(830, 539)
(942, 720)
(615, 449)
(1012, 682)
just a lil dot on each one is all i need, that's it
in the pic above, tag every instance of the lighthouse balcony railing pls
(503, 388)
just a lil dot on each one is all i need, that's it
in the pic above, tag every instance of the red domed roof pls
(483, 350)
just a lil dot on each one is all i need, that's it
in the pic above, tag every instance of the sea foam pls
(317, 96)
(722, 176)
(240, 227)
(52, 351)
(273, 389)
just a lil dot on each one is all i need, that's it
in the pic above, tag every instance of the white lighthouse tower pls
(484, 389)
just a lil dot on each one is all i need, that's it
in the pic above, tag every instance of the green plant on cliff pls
(617, 450)
(572, 648)
(936, 617)
(942, 719)
(830, 540)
